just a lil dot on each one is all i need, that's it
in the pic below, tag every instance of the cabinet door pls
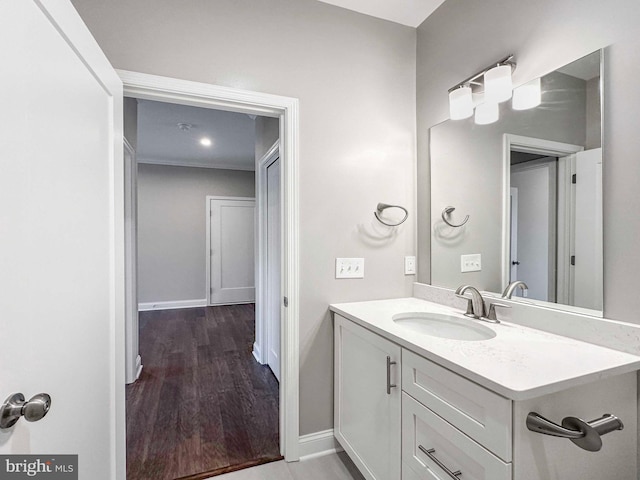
(367, 412)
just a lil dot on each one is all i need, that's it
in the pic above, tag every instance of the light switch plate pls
(470, 263)
(349, 267)
(409, 265)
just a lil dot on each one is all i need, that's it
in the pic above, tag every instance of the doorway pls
(146, 87)
(553, 195)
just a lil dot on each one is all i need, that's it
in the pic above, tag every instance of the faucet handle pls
(492, 311)
(469, 312)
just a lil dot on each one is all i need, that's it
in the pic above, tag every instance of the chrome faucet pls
(508, 292)
(475, 307)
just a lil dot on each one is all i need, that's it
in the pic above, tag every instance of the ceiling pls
(406, 12)
(161, 141)
(585, 68)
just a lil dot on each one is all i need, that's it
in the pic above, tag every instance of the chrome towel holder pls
(384, 206)
(586, 435)
(447, 211)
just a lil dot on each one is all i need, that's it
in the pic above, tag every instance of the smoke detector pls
(185, 127)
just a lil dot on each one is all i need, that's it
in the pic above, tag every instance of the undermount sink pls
(444, 326)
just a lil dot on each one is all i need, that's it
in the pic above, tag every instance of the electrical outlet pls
(470, 263)
(349, 267)
(409, 265)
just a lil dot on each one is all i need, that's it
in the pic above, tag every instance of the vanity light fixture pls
(498, 86)
(527, 96)
(487, 113)
(493, 83)
(460, 102)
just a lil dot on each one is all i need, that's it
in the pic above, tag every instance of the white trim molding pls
(149, 306)
(178, 163)
(519, 143)
(138, 366)
(260, 350)
(153, 87)
(318, 444)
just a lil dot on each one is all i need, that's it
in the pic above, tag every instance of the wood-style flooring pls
(202, 403)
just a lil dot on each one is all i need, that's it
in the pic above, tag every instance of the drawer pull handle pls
(389, 384)
(430, 453)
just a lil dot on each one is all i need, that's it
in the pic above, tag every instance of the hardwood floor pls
(202, 403)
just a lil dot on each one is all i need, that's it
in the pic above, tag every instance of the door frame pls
(184, 92)
(133, 361)
(261, 342)
(208, 243)
(523, 144)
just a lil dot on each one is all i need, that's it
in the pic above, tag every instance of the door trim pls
(260, 345)
(208, 244)
(153, 87)
(520, 143)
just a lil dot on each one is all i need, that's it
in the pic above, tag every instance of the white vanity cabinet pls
(367, 400)
(437, 425)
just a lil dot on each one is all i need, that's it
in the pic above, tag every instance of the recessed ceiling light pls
(205, 141)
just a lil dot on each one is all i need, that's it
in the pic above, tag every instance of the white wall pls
(544, 35)
(355, 78)
(534, 233)
(172, 227)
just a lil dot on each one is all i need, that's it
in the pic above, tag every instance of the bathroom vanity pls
(422, 392)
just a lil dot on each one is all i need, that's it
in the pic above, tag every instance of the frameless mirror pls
(531, 184)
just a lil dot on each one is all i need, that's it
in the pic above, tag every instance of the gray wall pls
(594, 120)
(466, 172)
(130, 113)
(267, 132)
(355, 78)
(172, 227)
(462, 36)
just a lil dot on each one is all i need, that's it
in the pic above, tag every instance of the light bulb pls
(498, 86)
(206, 142)
(527, 96)
(460, 103)
(487, 113)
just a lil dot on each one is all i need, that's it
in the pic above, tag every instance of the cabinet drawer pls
(483, 415)
(453, 449)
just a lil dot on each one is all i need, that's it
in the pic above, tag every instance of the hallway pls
(202, 403)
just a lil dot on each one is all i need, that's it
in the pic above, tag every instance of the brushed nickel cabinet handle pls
(389, 384)
(430, 453)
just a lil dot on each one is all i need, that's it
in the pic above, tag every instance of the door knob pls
(15, 407)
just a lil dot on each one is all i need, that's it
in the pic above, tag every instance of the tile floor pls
(329, 467)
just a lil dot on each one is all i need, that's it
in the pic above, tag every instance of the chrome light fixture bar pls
(494, 81)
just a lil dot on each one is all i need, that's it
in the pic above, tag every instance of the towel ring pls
(449, 210)
(384, 206)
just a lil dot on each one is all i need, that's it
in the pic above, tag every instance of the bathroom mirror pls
(531, 184)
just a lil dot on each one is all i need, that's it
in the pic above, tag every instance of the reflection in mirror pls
(531, 184)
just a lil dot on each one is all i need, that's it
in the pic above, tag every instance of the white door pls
(587, 272)
(232, 250)
(274, 296)
(61, 237)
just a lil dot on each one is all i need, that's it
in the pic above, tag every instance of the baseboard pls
(257, 353)
(148, 306)
(138, 367)
(318, 444)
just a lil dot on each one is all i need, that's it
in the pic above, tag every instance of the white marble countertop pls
(519, 362)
